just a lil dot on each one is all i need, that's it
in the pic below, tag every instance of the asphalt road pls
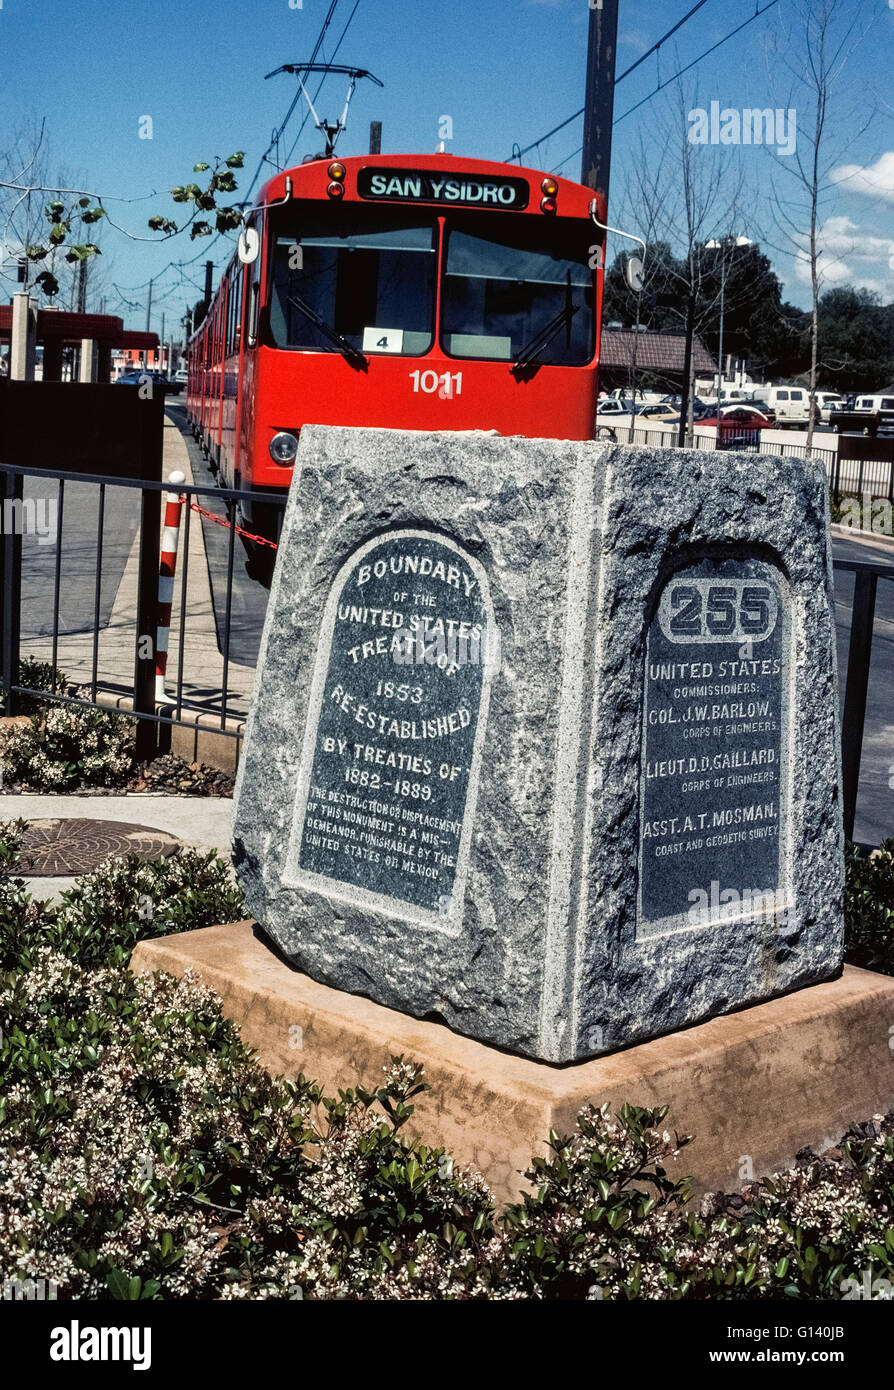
(248, 601)
(76, 519)
(875, 798)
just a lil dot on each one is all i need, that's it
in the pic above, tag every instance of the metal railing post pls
(11, 523)
(147, 621)
(854, 717)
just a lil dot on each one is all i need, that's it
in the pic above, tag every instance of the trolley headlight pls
(547, 204)
(283, 447)
(335, 190)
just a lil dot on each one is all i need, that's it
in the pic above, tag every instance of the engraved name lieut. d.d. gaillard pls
(393, 728)
(711, 778)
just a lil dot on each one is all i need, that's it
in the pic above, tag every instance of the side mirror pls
(249, 245)
(633, 273)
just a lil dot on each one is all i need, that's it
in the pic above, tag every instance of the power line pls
(323, 79)
(667, 82)
(277, 134)
(517, 154)
(707, 53)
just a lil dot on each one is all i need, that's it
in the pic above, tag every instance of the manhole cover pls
(74, 846)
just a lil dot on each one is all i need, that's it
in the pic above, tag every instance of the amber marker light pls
(549, 186)
(337, 171)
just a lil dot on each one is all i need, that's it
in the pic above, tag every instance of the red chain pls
(222, 521)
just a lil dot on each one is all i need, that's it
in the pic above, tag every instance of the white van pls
(791, 404)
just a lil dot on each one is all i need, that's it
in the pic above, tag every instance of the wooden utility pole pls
(599, 99)
(82, 287)
(375, 137)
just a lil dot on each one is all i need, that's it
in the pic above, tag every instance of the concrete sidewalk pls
(199, 822)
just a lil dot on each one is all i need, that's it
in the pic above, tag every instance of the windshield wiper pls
(532, 350)
(337, 339)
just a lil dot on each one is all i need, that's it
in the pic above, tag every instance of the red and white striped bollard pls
(167, 565)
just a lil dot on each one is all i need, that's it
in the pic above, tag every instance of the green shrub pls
(69, 746)
(145, 1154)
(869, 908)
(101, 918)
(836, 505)
(37, 675)
(18, 914)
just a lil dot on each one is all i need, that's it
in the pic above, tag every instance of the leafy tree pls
(856, 339)
(757, 324)
(68, 216)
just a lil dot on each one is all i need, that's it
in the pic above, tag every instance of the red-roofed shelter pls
(57, 329)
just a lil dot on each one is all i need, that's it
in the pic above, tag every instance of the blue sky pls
(505, 71)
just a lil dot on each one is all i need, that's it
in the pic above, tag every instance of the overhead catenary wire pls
(280, 130)
(205, 252)
(278, 133)
(517, 153)
(323, 79)
(661, 85)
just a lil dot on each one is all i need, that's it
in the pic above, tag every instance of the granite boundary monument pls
(544, 736)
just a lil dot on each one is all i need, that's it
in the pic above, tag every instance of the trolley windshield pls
(367, 277)
(507, 290)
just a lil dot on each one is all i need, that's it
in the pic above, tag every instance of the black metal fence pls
(150, 713)
(866, 576)
(152, 716)
(864, 464)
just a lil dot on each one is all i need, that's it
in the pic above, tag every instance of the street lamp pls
(721, 246)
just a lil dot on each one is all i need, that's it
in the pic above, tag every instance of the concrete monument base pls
(754, 1087)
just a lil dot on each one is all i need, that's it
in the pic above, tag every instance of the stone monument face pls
(544, 736)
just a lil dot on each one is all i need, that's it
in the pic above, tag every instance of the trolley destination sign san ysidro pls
(429, 186)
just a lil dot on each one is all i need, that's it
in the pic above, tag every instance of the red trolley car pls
(411, 292)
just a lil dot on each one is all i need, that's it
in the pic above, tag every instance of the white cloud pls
(872, 180)
(847, 255)
(635, 39)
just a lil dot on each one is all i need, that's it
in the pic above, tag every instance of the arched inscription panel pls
(386, 795)
(714, 775)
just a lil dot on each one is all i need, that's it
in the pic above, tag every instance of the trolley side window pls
(503, 293)
(370, 279)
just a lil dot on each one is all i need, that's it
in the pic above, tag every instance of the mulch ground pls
(167, 774)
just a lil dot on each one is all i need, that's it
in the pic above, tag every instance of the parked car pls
(699, 407)
(622, 393)
(827, 402)
(663, 413)
(863, 421)
(181, 377)
(746, 415)
(136, 376)
(611, 406)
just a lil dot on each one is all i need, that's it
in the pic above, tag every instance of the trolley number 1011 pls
(447, 384)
